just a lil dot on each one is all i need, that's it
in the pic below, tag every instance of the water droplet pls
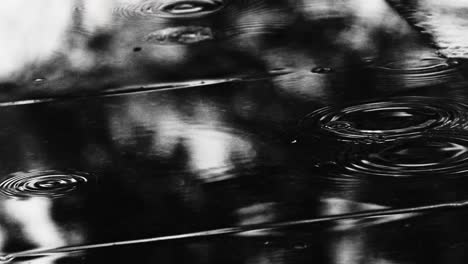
(322, 70)
(41, 183)
(180, 35)
(137, 49)
(388, 120)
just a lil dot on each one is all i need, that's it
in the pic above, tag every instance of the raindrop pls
(137, 49)
(41, 183)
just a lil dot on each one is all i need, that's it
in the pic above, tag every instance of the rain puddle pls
(246, 131)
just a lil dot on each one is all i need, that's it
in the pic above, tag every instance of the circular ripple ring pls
(173, 9)
(389, 120)
(41, 183)
(440, 155)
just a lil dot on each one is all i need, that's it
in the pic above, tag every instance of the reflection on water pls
(93, 47)
(337, 206)
(44, 33)
(33, 215)
(212, 152)
(35, 227)
(444, 22)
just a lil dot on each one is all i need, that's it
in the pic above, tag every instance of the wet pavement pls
(233, 131)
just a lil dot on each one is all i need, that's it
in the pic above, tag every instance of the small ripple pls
(172, 9)
(382, 121)
(41, 183)
(255, 17)
(423, 65)
(417, 72)
(441, 155)
(180, 35)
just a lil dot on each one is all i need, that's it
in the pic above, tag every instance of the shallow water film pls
(233, 131)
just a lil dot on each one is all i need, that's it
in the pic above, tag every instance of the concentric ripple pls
(441, 155)
(171, 9)
(419, 65)
(41, 183)
(388, 120)
(417, 72)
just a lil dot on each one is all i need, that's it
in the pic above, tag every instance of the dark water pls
(233, 131)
